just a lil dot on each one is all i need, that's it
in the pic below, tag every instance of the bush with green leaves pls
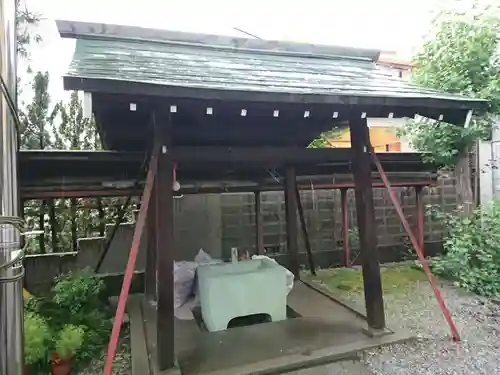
(69, 341)
(77, 292)
(36, 338)
(472, 249)
(78, 299)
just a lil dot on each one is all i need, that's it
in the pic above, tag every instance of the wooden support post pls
(420, 216)
(41, 224)
(74, 234)
(259, 230)
(53, 224)
(291, 221)
(345, 227)
(102, 218)
(152, 250)
(362, 162)
(303, 226)
(165, 259)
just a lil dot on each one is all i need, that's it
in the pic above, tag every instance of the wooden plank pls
(165, 258)
(345, 227)
(53, 225)
(419, 197)
(365, 212)
(138, 347)
(270, 156)
(291, 222)
(305, 235)
(46, 159)
(97, 191)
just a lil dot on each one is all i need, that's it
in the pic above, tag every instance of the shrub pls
(69, 341)
(36, 337)
(31, 304)
(472, 250)
(78, 291)
(77, 301)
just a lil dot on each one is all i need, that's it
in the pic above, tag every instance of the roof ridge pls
(87, 30)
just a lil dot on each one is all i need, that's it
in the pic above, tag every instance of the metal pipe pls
(129, 270)
(11, 296)
(418, 249)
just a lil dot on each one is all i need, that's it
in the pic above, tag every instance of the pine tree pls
(37, 119)
(37, 123)
(75, 132)
(26, 21)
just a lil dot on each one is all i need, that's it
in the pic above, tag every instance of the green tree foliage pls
(80, 216)
(36, 126)
(74, 131)
(472, 249)
(26, 22)
(37, 119)
(323, 141)
(45, 125)
(60, 126)
(461, 56)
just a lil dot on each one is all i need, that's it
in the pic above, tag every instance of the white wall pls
(489, 163)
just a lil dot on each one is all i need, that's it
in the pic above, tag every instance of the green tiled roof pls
(171, 59)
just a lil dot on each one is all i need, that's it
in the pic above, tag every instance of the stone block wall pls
(218, 222)
(322, 211)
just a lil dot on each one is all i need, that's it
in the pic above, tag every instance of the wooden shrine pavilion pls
(232, 114)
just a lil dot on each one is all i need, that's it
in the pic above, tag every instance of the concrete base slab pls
(323, 332)
(347, 367)
(174, 371)
(370, 332)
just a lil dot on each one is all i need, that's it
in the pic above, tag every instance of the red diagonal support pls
(418, 249)
(129, 271)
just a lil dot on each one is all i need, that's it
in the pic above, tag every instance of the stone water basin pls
(246, 288)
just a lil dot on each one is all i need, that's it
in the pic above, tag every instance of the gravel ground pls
(434, 353)
(122, 364)
(477, 320)
(416, 310)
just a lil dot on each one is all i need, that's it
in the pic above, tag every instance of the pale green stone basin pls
(232, 290)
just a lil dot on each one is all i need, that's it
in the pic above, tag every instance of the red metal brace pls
(129, 271)
(418, 249)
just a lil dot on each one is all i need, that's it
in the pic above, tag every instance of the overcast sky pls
(391, 25)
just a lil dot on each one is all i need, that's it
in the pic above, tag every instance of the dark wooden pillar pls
(74, 229)
(102, 218)
(362, 168)
(53, 224)
(41, 224)
(305, 235)
(150, 272)
(345, 227)
(291, 222)
(259, 230)
(164, 259)
(420, 216)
